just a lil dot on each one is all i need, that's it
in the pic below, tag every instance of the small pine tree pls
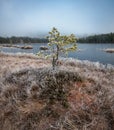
(58, 45)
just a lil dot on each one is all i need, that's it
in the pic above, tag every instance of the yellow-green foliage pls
(58, 45)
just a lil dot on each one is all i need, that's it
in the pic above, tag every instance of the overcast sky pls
(37, 17)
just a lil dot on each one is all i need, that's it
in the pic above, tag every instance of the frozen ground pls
(78, 95)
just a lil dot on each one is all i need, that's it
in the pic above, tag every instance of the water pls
(90, 52)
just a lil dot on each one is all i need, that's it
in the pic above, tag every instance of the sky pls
(37, 17)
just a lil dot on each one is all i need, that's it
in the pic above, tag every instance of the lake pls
(91, 52)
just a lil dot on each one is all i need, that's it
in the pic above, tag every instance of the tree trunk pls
(53, 63)
(57, 55)
(57, 52)
(55, 59)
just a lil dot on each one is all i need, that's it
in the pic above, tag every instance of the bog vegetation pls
(77, 96)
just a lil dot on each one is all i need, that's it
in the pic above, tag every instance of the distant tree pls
(58, 45)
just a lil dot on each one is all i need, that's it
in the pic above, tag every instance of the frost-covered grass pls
(78, 95)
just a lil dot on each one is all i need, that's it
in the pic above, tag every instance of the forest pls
(13, 40)
(101, 38)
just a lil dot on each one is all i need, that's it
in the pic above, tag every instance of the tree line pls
(102, 38)
(11, 40)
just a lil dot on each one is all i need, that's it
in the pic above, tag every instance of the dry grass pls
(76, 96)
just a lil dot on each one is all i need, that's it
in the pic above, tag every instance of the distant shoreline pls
(16, 46)
(47, 42)
(99, 38)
